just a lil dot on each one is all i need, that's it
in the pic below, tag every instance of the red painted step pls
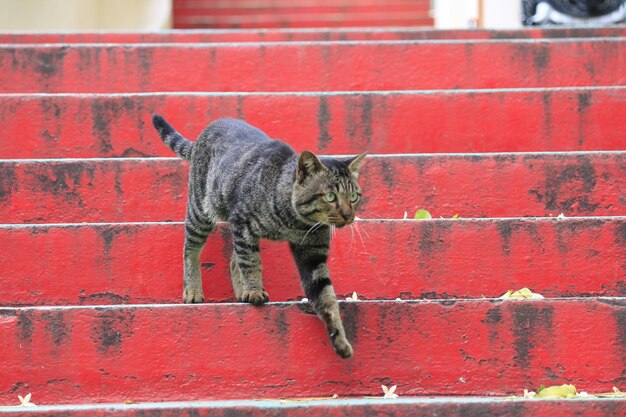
(302, 20)
(467, 347)
(300, 14)
(469, 185)
(560, 119)
(308, 34)
(279, 3)
(212, 9)
(142, 263)
(191, 4)
(354, 407)
(328, 66)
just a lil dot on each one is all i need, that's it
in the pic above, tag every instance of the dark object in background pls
(573, 12)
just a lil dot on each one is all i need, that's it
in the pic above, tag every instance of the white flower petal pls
(389, 392)
(529, 394)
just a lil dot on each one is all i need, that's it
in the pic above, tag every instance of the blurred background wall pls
(459, 14)
(63, 15)
(70, 15)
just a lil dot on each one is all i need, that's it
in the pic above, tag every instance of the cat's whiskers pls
(312, 229)
(352, 238)
(360, 235)
(367, 235)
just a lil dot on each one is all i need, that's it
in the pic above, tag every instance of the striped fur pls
(264, 190)
(172, 138)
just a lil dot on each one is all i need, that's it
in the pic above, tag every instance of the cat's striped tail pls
(171, 137)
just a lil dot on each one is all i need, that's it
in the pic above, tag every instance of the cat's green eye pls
(354, 197)
(330, 197)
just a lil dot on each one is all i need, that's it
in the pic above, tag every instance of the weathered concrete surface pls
(142, 263)
(543, 119)
(316, 66)
(227, 351)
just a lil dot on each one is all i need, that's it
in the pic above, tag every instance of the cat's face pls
(327, 191)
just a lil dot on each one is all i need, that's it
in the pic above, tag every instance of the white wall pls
(67, 15)
(502, 14)
(455, 14)
(463, 14)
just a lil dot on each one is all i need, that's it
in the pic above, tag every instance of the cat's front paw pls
(255, 297)
(342, 347)
(193, 295)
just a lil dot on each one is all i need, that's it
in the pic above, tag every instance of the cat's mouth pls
(340, 222)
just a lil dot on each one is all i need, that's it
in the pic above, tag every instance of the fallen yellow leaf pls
(522, 294)
(563, 391)
(422, 214)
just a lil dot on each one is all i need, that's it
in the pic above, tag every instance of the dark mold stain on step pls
(579, 175)
(323, 119)
(25, 325)
(530, 325)
(110, 329)
(55, 325)
(8, 181)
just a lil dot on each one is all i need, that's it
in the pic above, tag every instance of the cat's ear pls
(308, 164)
(354, 164)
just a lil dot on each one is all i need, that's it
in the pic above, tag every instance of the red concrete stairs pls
(495, 133)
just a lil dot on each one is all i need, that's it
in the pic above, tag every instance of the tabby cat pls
(263, 189)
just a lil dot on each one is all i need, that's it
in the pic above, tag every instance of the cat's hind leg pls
(235, 277)
(245, 267)
(197, 229)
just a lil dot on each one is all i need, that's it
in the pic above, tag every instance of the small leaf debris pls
(567, 391)
(522, 294)
(615, 394)
(556, 391)
(25, 402)
(307, 399)
(422, 214)
(529, 394)
(552, 392)
(389, 393)
(353, 297)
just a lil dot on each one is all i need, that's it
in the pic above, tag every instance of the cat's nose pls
(346, 215)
